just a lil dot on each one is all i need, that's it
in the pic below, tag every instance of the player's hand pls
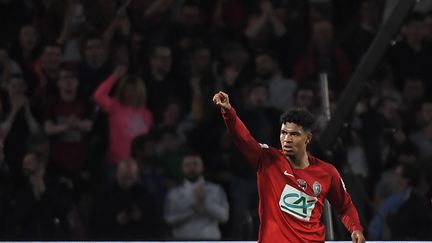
(357, 237)
(222, 100)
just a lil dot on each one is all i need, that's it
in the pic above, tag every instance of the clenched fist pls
(222, 100)
(357, 237)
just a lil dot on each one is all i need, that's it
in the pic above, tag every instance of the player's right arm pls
(241, 136)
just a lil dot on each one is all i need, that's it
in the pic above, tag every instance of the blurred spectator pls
(267, 28)
(42, 204)
(381, 125)
(201, 82)
(385, 186)
(150, 172)
(423, 7)
(359, 36)
(73, 29)
(383, 84)
(170, 152)
(79, 185)
(127, 111)
(264, 25)
(186, 112)
(233, 72)
(413, 92)
(323, 55)
(95, 66)
(392, 220)
(51, 22)
(25, 51)
(125, 209)
(99, 13)
(39, 144)
(258, 116)
(418, 206)
(93, 69)
(424, 114)
(411, 57)
(68, 120)
(117, 34)
(428, 22)
(121, 52)
(47, 71)
(216, 148)
(6, 190)
(173, 115)
(422, 138)
(18, 122)
(306, 96)
(8, 67)
(229, 15)
(195, 208)
(189, 26)
(355, 173)
(160, 63)
(137, 48)
(14, 13)
(151, 17)
(280, 89)
(160, 82)
(356, 156)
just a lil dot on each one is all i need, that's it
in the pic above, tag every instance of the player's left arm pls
(342, 203)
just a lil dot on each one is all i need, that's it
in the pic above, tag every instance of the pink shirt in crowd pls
(125, 122)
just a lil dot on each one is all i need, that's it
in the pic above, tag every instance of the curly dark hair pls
(301, 117)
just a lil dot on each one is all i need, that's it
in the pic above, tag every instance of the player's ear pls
(309, 137)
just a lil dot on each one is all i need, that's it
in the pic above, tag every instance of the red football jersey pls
(292, 200)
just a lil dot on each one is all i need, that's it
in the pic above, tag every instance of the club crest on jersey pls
(302, 184)
(316, 187)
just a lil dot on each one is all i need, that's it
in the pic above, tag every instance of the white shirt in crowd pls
(191, 221)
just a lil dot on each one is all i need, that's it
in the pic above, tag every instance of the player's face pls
(293, 139)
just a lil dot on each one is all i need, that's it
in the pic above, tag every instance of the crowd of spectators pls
(108, 130)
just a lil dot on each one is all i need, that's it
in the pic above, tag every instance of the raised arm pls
(256, 25)
(101, 94)
(342, 203)
(241, 136)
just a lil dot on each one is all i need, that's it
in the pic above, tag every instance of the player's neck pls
(300, 161)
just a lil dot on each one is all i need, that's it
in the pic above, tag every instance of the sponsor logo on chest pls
(297, 203)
